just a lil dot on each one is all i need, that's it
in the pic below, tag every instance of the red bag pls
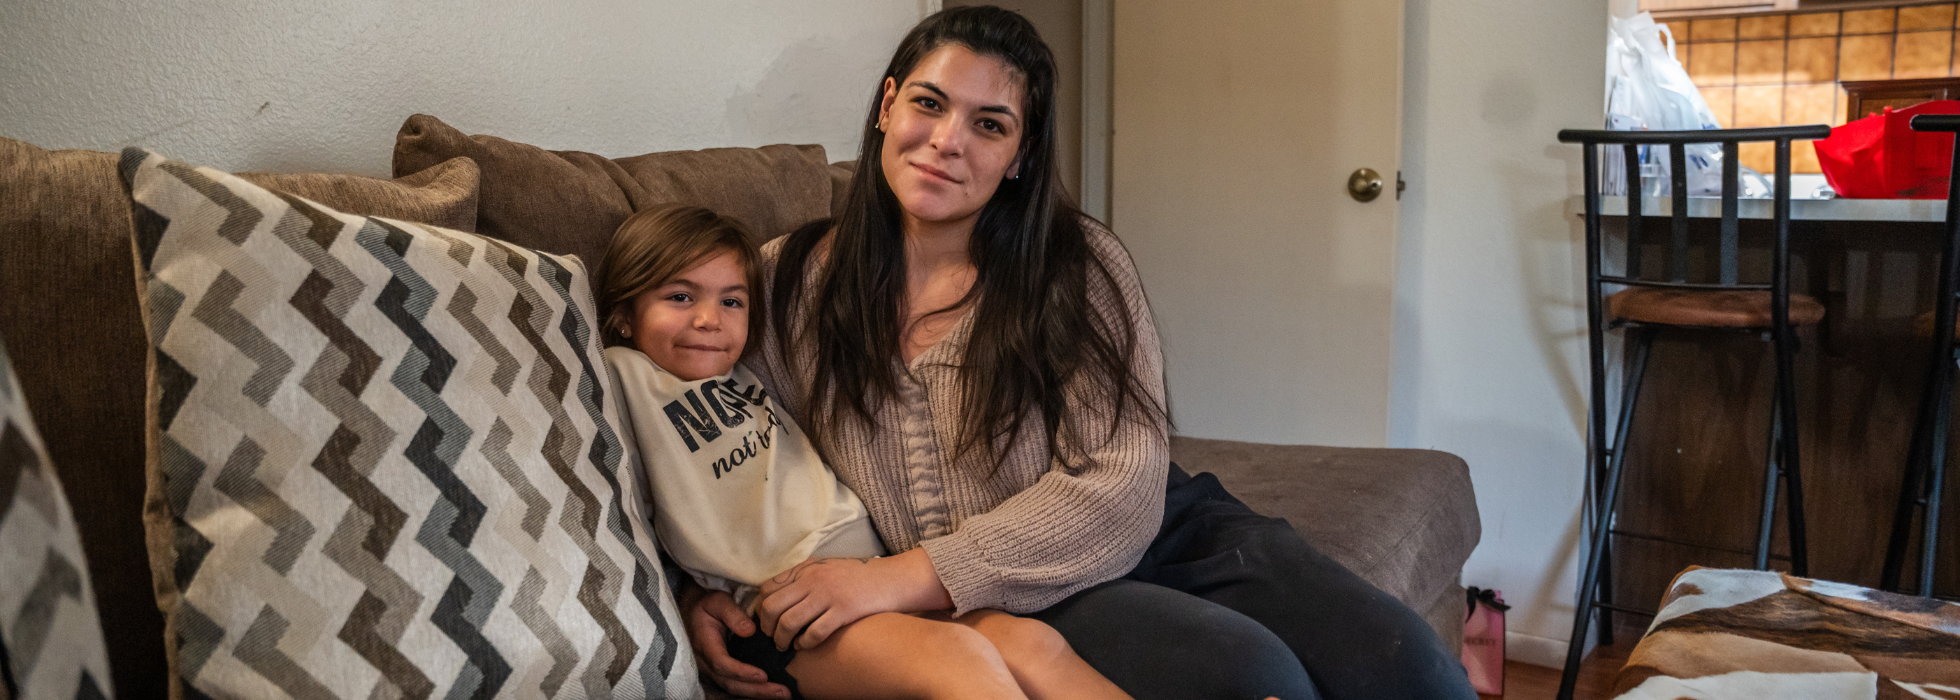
(1881, 157)
(1483, 640)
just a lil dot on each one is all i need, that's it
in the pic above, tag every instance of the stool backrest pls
(1949, 280)
(1677, 142)
(1677, 277)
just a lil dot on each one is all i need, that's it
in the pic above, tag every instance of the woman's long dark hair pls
(1036, 330)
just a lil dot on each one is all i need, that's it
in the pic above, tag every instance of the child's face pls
(695, 326)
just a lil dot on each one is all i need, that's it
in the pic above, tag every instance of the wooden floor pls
(1524, 681)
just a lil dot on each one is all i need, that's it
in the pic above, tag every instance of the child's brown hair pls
(655, 245)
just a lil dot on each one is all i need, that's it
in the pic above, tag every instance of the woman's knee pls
(1155, 642)
(1241, 658)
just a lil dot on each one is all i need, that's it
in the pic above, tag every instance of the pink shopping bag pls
(1483, 640)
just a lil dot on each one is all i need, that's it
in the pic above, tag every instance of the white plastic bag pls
(1648, 89)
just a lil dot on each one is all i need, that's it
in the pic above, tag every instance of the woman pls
(975, 358)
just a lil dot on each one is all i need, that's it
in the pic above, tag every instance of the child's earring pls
(625, 332)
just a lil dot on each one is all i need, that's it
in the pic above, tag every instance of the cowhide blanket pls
(1760, 634)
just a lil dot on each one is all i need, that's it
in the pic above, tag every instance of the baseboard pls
(1535, 650)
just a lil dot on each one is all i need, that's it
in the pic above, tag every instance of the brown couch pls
(1403, 519)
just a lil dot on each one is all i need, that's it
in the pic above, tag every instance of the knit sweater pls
(1033, 532)
(739, 495)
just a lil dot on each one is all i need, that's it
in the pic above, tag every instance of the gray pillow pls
(382, 461)
(50, 634)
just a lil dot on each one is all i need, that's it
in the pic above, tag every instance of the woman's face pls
(952, 133)
(695, 326)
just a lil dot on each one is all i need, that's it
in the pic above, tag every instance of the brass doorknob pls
(1365, 185)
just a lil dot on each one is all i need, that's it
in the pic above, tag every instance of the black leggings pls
(1228, 603)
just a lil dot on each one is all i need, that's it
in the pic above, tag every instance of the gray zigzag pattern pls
(182, 471)
(452, 520)
(460, 249)
(462, 306)
(198, 637)
(243, 218)
(496, 444)
(580, 518)
(165, 302)
(496, 450)
(563, 656)
(366, 533)
(606, 454)
(237, 481)
(216, 313)
(58, 579)
(25, 478)
(259, 649)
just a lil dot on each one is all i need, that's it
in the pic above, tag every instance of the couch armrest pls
(1404, 520)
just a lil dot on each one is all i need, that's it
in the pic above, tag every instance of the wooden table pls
(1696, 450)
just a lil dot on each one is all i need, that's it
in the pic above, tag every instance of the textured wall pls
(1490, 314)
(324, 85)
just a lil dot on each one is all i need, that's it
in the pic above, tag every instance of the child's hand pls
(707, 615)
(819, 597)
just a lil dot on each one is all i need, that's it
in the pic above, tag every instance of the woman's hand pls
(814, 599)
(707, 615)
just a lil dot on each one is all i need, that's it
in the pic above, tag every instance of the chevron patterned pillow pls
(382, 462)
(50, 635)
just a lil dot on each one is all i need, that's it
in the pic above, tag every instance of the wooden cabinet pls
(1868, 97)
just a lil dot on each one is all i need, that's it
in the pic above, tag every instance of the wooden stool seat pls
(1727, 308)
(1922, 326)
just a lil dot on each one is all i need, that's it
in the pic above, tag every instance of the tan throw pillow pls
(50, 635)
(384, 464)
(572, 201)
(68, 314)
(443, 194)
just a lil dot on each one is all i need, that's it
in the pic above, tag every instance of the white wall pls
(1490, 315)
(323, 86)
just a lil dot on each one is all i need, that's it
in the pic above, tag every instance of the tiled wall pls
(1783, 69)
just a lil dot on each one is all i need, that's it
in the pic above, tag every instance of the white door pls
(1236, 127)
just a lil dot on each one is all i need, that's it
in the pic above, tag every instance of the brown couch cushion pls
(1405, 520)
(556, 201)
(69, 318)
(840, 184)
(571, 201)
(772, 189)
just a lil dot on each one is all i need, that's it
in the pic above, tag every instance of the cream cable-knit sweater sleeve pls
(1031, 534)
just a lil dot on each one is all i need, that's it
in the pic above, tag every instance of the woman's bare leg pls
(1040, 659)
(903, 657)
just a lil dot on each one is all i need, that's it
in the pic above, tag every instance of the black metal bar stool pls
(1926, 460)
(1646, 306)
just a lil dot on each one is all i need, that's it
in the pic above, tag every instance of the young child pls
(741, 496)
